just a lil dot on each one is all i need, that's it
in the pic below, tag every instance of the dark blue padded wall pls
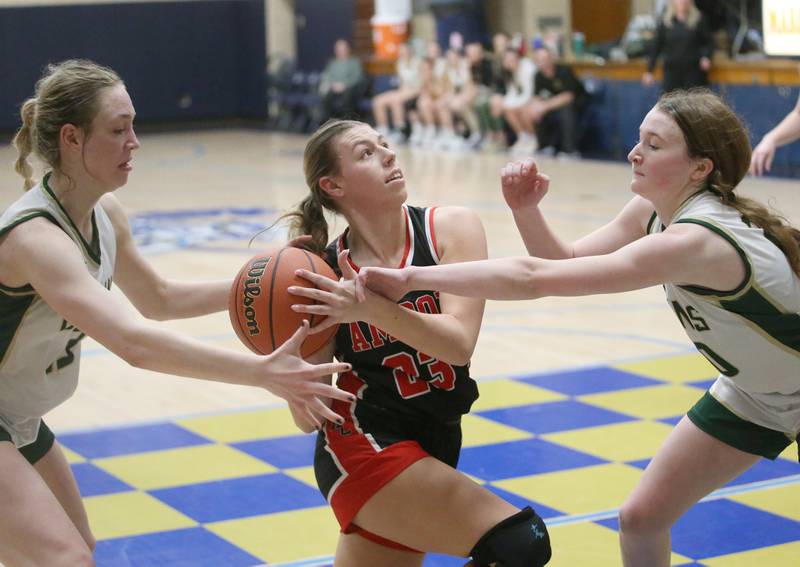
(463, 16)
(618, 107)
(181, 60)
(318, 24)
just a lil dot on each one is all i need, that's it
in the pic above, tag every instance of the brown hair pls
(319, 160)
(712, 130)
(67, 93)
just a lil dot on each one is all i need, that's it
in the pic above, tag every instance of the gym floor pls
(576, 393)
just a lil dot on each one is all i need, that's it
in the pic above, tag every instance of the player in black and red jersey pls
(389, 470)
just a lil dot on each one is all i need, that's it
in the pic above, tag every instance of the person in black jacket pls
(684, 40)
(558, 98)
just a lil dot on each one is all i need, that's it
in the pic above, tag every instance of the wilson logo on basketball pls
(252, 289)
(260, 305)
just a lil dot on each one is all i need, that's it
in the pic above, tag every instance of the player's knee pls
(639, 517)
(518, 541)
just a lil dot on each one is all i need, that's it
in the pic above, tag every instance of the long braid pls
(23, 141)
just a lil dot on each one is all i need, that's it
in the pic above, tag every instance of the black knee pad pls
(518, 541)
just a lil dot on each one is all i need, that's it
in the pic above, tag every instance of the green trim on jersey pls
(748, 268)
(756, 308)
(27, 288)
(653, 218)
(93, 249)
(12, 312)
(713, 417)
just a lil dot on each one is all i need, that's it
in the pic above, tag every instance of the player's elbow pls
(460, 356)
(530, 278)
(132, 347)
(155, 305)
(154, 313)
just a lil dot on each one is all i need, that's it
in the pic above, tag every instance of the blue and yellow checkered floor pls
(238, 489)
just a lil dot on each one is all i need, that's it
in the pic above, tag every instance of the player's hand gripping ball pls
(261, 308)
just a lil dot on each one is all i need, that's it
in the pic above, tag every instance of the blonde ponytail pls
(23, 142)
(309, 218)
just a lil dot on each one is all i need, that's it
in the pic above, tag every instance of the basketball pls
(261, 307)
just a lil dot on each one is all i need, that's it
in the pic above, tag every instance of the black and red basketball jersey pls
(396, 376)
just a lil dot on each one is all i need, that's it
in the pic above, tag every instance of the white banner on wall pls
(781, 22)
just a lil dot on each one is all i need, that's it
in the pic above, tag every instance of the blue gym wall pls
(200, 60)
(611, 126)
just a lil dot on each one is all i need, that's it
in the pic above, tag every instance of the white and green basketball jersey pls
(751, 334)
(39, 350)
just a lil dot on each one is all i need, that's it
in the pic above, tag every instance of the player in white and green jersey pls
(39, 349)
(732, 274)
(739, 329)
(61, 244)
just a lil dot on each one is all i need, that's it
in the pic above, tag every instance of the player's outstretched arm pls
(154, 296)
(688, 254)
(58, 274)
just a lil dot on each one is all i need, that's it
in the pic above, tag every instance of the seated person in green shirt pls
(340, 81)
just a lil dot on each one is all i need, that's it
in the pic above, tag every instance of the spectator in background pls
(454, 101)
(559, 97)
(433, 86)
(787, 131)
(500, 43)
(519, 73)
(684, 40)
(396, 100)
(494, 136)
(482, 82)
(341, 82)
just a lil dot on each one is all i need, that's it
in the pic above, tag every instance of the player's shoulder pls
(113, 208)
(455, 214)
(116, 214)
(33, 230)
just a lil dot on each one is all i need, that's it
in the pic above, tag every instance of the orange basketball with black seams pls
(261, 307)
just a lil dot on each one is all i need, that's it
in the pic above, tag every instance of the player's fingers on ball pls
(310, 293)
(317, 279)
(311, 309)
(301, 291)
